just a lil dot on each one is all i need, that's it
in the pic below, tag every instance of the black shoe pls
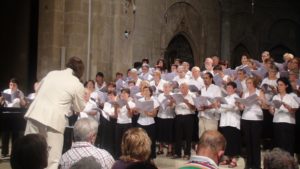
(175, 156)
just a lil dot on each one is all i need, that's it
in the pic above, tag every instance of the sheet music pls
(169, 76)
(145, 106)
(200, 101)
(297, 99)
(193, 88)
(178, 98)
(222, 100)
(249, 101)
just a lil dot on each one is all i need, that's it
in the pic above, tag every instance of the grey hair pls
(84, 128)
(89, 162)
(278, 159)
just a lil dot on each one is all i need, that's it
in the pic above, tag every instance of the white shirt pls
(108, 110)
(143, 118)
(123, 117)
(254, 112)
(146, 76)
(182, 108)
(138, 82)
(271, 83)
(282, 115)
(165, 112)
(212, 91)
(179, 80)
(159, 87)
(99, 88)
(230, 113)
(197, 82)
(90, 106)
(16, 101)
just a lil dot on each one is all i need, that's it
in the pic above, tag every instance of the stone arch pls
(178, 19)
(284, 35)
(278, 51)
(237, 53)
(179, 47)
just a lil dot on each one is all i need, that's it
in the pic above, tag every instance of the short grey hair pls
(85, 127)
(278, 159)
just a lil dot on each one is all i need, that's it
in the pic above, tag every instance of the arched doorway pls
(237, 53)
(179, 47)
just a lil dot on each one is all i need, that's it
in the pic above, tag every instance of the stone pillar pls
(225, 29)
(50, 35)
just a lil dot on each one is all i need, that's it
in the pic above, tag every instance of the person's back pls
(57, 92)
(85, 132)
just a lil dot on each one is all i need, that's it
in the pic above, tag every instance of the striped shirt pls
(86, 149)
(200, 162)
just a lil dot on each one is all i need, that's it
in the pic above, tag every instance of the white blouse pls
(181, 80)
(16, 101)
(212, 91)
(159, 87)
(230, 113)
(143, 118)
(123, 117)
(182, 108)
(271, 83)
(165, 112)
(282, 115)
(254, 112)
(108, 110)
(197, 82)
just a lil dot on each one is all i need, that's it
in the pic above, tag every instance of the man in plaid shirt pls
(85, 132)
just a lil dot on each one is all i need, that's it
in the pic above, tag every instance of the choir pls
(176, 107)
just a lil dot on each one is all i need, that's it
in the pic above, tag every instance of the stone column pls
(50, 35)
(225, 29)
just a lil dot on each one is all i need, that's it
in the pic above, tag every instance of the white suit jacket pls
(58, 92)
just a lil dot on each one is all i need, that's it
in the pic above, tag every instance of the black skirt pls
(165, 130)
(233, 139)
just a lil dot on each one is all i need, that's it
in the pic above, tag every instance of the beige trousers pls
(207, 124)
(54, 139)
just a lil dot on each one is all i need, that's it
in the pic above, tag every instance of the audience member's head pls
(142, 165)
(29, 151)
(212, 145)
(136, 145)
(86, 163)
(279, 159)
(85, 129)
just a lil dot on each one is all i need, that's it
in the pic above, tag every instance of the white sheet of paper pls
(145, 106)
(248, 101)
(178, 98)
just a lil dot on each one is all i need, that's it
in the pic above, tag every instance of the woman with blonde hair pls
(136, 147)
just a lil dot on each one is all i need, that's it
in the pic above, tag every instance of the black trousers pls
(252, 134)
(184, 126)
(233, 139)
(119, 131)
(5, 140)
(151, 131)
(284, 136)
(107, 135)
